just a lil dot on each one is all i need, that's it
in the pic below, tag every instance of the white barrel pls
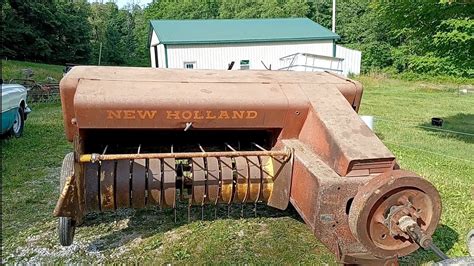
(368, 120)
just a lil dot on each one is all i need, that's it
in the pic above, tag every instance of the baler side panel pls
(335, 132)
(321, 198)
(113, 104)
(68, 87)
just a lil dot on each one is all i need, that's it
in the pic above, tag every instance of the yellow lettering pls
(223, 115)
(187, 115)
(128, 114)
(172, 114)
(238, 114)
(209, 115)
(198, 115)
(114, 114)
(251, 114)
(146, 114)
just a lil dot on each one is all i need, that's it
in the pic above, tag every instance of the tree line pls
(430, 36)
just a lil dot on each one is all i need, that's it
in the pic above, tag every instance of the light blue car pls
(14, 109)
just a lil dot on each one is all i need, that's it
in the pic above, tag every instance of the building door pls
(156, 55)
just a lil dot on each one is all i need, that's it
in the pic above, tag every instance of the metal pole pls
(334, 16)
(100, 52)
(94, 157)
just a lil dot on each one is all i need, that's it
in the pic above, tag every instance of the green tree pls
(296, 8)
(429, 36)
(185, 9)
(140, 35)
(263, 9)
(72, 43)
(320, 11)
(28, 29)
(47, 31)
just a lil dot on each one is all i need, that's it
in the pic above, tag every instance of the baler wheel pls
(66, 231)
(66, 225)
(376, 210)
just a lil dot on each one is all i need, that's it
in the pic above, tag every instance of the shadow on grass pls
(148, 222)
(444, 237)
(461, 122)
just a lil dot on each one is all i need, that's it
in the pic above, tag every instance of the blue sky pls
(123, 3)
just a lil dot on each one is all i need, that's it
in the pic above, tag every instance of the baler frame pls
(342, 180)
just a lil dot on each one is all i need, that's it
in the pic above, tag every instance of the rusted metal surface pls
(155, 181)
(227, 187)
(40, 92)
(381, 203)
(242, 137)
(44, 93)
(107, 193)
(199, 181)
(213, 179)
(92, 187)
(139, 170)
(87, 92)
(236, 180)
(169, 183)
(67, 203)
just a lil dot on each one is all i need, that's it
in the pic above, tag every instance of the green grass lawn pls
(30, 175)
(12, 69)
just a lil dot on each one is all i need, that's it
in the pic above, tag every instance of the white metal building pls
(240, 44)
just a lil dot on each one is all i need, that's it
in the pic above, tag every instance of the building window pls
(189, 65)
(244, 64)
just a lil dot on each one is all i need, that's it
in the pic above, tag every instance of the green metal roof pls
(239, 30)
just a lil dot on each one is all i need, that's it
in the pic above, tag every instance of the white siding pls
(161, 51)
(218, 56)
(154, 41)
(352, 60)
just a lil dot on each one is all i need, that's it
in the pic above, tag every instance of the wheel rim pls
(17, 123)
(372, 202)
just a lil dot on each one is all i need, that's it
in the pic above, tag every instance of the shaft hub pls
(378, 206)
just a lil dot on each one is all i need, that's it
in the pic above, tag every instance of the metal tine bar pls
(94, 157)
(230, 147)
(205, 184)
(139, 148)
(201, 148)
(260, 186)
(258, 146)
(174, 205)
(105, 149)
(263, 149)
(228, 203)
(181, 195)
(191, 197)
(219, 191)
(242, 203)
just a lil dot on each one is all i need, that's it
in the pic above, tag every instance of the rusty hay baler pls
(150, 137)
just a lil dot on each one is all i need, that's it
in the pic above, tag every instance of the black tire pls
(470, 242)
(19, 124)
(66, 225)
(66, 230)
